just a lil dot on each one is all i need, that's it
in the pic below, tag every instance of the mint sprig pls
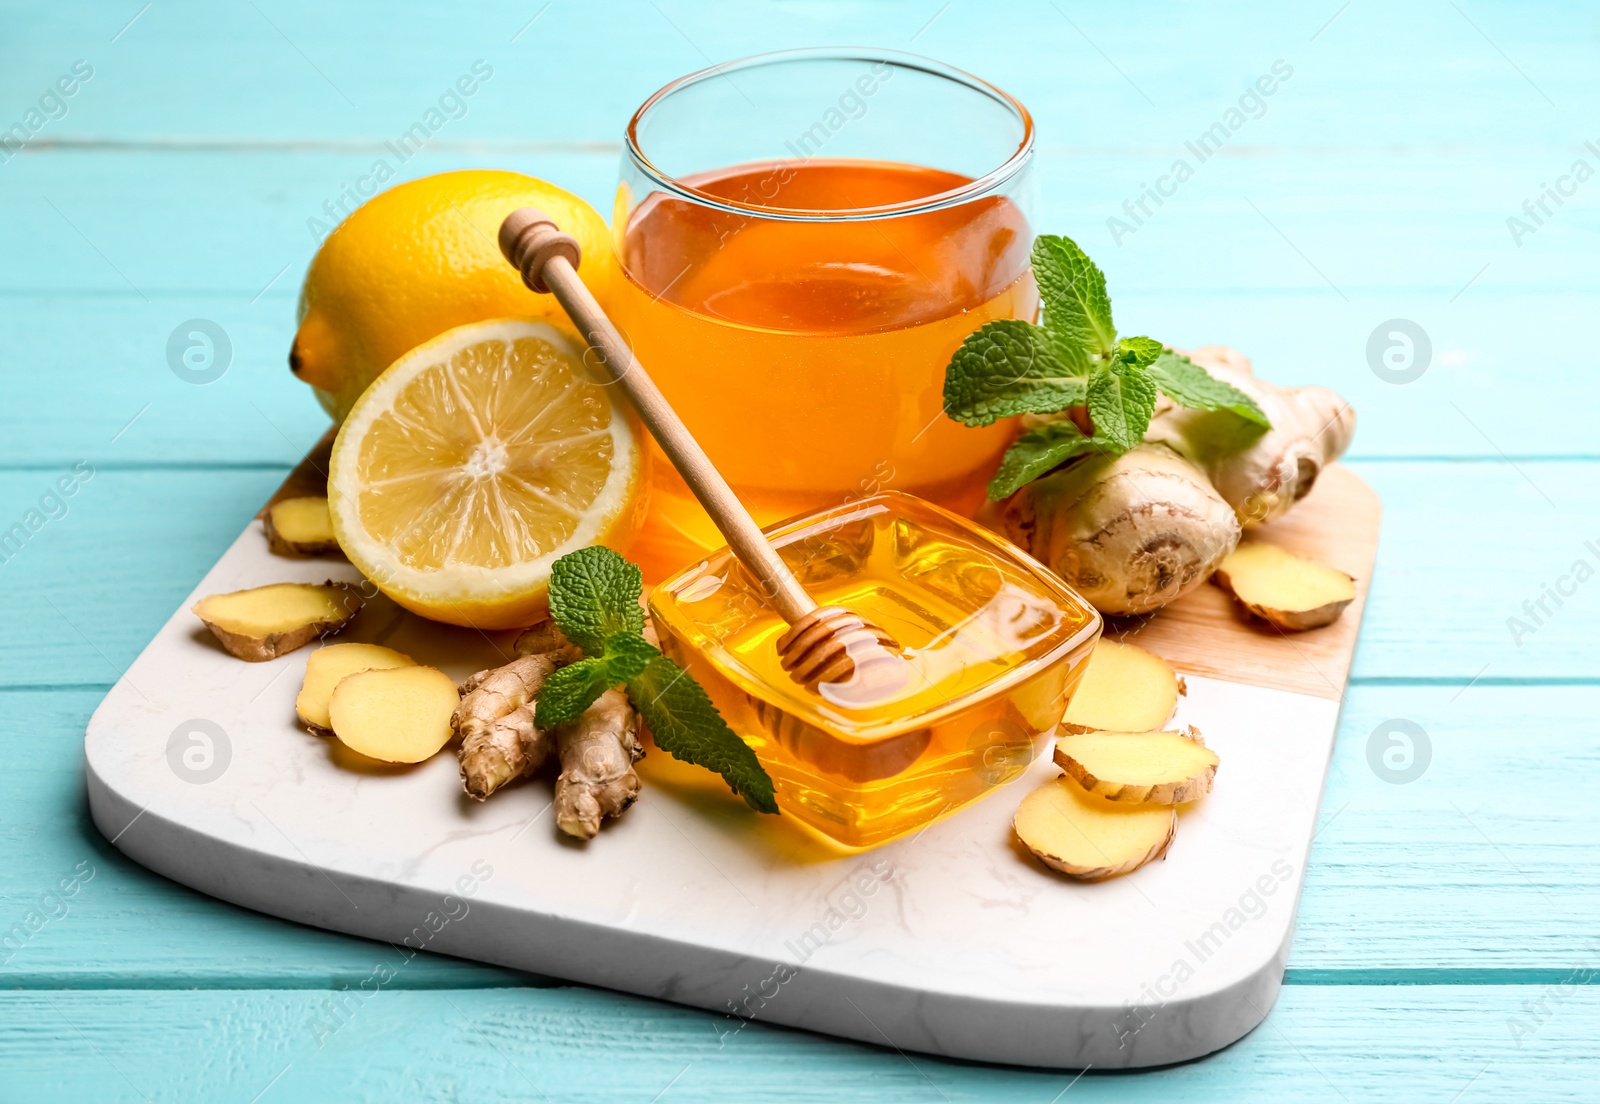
(1041, 449)
(594, 598)
(1013, 367)
(1188, 384)
(1121, 400)
(594, 594)
(575, 687)
(687, 726)
(1074, 358)
(1074, 292)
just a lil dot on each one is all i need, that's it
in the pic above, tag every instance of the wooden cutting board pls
(1207, 633)
(953, 941)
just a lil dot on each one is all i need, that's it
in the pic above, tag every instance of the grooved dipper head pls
(831, 645)
(529, 238)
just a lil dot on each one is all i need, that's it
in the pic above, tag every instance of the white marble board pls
(952, 942)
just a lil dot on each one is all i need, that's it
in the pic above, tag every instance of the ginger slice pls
(1286, 590)
(326, 666)
(1089, 838)
(266, 622)
(1124, 689)
(300, 527)
(396, 715)
(1161, 768)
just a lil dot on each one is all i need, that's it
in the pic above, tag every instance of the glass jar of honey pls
(994, 646)
(806, 237)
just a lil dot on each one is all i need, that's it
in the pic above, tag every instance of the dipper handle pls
(548, 261)
(824, 644)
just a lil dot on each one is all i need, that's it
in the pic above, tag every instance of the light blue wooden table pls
(1448, 935)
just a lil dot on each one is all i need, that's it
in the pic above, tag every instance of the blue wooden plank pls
(1396, 74)
(1347, 224)
(1456, 873)
(128, 407)
(141, 541)
(485, 1046)
(117, 924)
(95, 291)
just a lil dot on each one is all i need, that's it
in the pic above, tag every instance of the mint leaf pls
(594, 594)
(1076, 306)
(570, 690)
(1036, 452)
(1187, 384)
(594, 598)
(1075, 358)
(1121, 400)
(574, 688)
(1141, 352)
(1012, 367)
(687, 726)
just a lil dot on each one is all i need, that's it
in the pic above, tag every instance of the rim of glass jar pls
(974, 189)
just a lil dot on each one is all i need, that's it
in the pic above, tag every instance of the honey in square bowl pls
(994, 644)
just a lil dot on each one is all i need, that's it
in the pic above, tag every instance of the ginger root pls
(1157, 768)
(395, 714)
(546, 638)
(499, 741)
(1141, 530)
(1131, 533)
(1286, 590)
(1260, 473)
(300, 527)
(266, 622)
(328, 666)
(597, 752)
(1089, 838)
(1124, 689)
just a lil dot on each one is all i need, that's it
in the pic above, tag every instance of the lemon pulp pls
(473, 463)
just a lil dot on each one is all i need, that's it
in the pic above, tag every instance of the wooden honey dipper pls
(824, 644)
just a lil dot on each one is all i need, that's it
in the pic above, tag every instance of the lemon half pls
(475, 462)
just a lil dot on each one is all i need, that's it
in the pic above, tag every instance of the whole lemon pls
(420, 259)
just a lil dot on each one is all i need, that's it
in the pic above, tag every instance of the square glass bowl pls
(995, 646)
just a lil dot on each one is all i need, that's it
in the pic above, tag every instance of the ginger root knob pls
(1131, 533)
(597, 751)
(499, 741)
